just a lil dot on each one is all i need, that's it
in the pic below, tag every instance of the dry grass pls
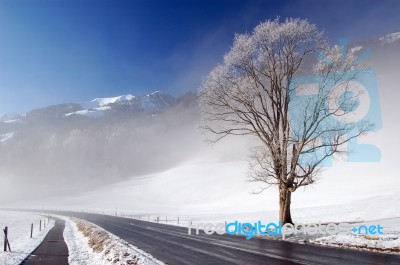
(371, 237)
(101, 241)
(98, 239)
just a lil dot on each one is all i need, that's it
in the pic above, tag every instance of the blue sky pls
(57, 51)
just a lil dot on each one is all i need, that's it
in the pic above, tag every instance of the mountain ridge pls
(155, 101)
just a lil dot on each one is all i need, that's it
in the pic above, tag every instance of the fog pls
(64, 156)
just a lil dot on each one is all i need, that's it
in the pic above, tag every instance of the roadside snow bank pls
(388, 242)
(91, 245)
(19, 231)
(383, 243)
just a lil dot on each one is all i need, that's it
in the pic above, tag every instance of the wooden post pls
(178, 220)
(31, 230)
(40, 225)
(6, 242)
(5, 238)
(44, 223)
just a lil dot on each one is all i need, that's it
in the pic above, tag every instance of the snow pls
(390, 38)
(99, 106)
(214, 185)
(8, 116)
(211, 188)
(14, 121)
(153, 100)
(96, 112)
(100, 102)
(7, 136)
(107, 252)
(19, 227)
(103, 108)
(388, 242)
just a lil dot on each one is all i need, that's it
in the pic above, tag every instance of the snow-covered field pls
(91, 245)
(19, 229)
(212, 188)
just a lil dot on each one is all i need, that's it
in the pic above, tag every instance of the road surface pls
(53, 250)
(173, 245)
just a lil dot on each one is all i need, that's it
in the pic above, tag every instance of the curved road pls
(173, 245)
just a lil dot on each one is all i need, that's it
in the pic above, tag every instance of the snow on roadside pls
(383, 243)
(91, 245)
(19, 229)
(388, 242)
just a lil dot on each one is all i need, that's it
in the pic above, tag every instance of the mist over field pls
(59, 155)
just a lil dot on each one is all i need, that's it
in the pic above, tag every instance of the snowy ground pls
(213, 188)
(91, 245)
(388, 242)
(19, 229)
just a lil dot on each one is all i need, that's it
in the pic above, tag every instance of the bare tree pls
(255, 92)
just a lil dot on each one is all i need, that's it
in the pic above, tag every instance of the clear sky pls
(54, 51)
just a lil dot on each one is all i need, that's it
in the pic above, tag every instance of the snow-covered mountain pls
(124, 104)
(99, 106)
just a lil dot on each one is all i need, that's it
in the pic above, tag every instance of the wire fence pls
(42, 223)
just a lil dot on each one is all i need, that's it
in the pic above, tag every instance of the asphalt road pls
(173, 245)
(52, 250)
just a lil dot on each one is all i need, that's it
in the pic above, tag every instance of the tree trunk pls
(284, 204)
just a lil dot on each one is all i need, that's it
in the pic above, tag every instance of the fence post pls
(6, 243)
(31, 230)
(178, 220)
(44, 223)
(40, 225)
(5, 238)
